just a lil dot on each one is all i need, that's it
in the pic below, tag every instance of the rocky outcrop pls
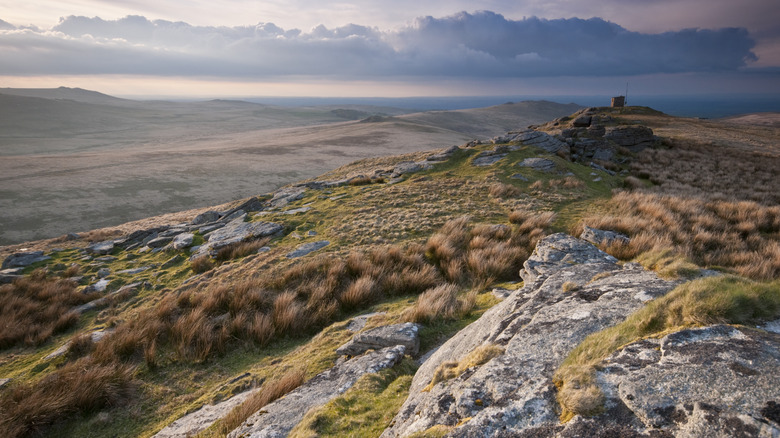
(536, 327)
(194, 422)
(101, 248)
(405, 334)
(206, 217)
(23, 259)
(539, 164)
(717, 381)
(278, 418)
(634, 137)
(307, 248)
(236, 231)
(596, 236)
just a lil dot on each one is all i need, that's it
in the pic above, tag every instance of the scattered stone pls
(581, 121)
(105, 259)
(276, 419)
(103, 272)
(311, 233)
(307, 248)
(233, 216)
(8, 276)
(540, 164)
(23, 259)
(101, 248)
(444, 155)
(357, 323)
(263, 249)
(237, 231)
(159, 242)
(601, 168)
(487, 158)
(131, 288)
(4, 382)
(405, 334)
(95, 336)
(596, 236)
(597, 179)
(182, 240)
(284, 196)
(405, 167)
(99, 286)
(134, 271)
(206, 217)
(520, 177)
(175, 260)
(634, 137)
(297, 210)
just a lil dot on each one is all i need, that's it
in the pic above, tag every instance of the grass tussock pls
(440, 303)
(501, 190)
(202, 264)
(100, 235)
(269, 392)
(240, 249)
(79, 388)
(36, 307)
(742, 236)
(713, 300)
(484, 254)
(452, 369)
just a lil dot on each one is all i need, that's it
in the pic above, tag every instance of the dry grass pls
(240, 249)
(36, 307)
(100, 235)
(79, 388)
(713, 300)
(569, 286)
(440, 303)
(202, 264)
(501, 190)
(743, 236)
(451, 369)
(269, 392)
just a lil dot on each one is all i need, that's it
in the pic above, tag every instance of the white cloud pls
(483, 44)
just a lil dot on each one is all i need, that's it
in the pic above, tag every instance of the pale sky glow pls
(380, 48)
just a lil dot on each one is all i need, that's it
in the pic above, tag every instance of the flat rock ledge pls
(278, 418)
(194, 422)
(536, 326)
(406, 334)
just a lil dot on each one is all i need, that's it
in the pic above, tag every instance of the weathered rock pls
(139, 237)
(596, 236)
(581, 121)
(103, 272)
(443, 155)
(236, 231)
(4, 382)
(405, 334)
(716, 381)
(278, 418)
(634, 137)
(182, 240)
(159, 242)
(519, 176)
(357, 323)
(235, 214)
(133, 271)
(537, 326)
(101, 248)
(405, 167)
(540, 164)
(284, 196)
(539, 139)
(129, 289)
(9, 275)
(206, 217)
(307, 248)
(172, 261)
(94, 336)
(487, 158)
(192, 423)
(23, 259)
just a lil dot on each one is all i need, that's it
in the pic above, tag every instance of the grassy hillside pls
(427, 247)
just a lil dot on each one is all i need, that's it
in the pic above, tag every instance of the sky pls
(200, 48)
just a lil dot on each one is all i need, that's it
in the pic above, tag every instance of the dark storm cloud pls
(483, 44)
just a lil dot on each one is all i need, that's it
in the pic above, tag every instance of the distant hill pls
(65, 93)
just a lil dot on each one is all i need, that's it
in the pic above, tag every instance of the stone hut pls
(618, 102)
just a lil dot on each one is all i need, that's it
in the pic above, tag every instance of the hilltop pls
(536, 283)
(75, 160)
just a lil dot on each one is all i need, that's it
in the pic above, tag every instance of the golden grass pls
(713, 300)
(743, 236)
(36, 307)
(202, 264)
(440, 303)
(240, 249)
(269, 392)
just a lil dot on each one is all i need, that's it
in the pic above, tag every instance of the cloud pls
(482, 44)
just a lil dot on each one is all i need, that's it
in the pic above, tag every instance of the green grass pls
(365, 410)
(722, 299)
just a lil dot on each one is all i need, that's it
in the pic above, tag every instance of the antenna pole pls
(626, 100)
